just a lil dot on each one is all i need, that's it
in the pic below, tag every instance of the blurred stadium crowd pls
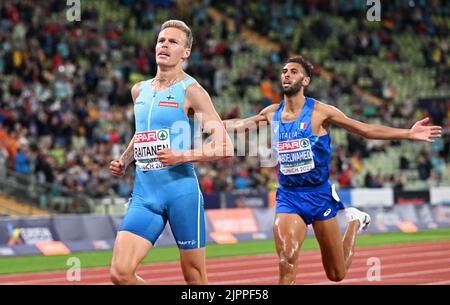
(66, 109)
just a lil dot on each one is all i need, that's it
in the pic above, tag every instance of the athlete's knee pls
(287, 260)
(118, 278)
(194, 274)
(336, 275)
(121, 275)
(193, 278)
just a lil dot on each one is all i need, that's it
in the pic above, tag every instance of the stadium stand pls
(66, 110)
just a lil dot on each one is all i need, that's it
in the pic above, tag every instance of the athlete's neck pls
(166, 77)
(294, 103)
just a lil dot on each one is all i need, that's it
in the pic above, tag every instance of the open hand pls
(421, 132)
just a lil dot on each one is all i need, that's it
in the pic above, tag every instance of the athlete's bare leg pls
(193, 265)
(337, 253)
(289, 231)
(129, 250)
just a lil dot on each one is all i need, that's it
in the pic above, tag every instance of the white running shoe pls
(355, 214)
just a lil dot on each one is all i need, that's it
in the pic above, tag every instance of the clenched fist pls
(117, 167)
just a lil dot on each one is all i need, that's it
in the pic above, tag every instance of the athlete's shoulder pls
(194, 89)
(269, 109)
(269, 112)
(320, 106)
(324, 109)
(136, 89)
(187, 81)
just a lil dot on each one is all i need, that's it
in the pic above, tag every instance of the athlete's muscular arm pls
(128, 154)
(419, 131)
(251, 123)
(220, 146)
(119, 166)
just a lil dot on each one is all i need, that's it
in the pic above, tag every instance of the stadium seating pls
(112, 48)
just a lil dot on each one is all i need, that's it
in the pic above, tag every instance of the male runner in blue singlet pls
(300, 130)
(166, 186)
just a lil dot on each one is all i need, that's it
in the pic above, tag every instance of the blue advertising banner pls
(212, 200)
(31, 236)
(84, 227)
(247, 200)
(27, 231)
(26, 250)
(345, 196)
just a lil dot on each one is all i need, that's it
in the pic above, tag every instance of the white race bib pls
(146, 146)
(295, 156)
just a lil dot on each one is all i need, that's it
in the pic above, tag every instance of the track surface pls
(415, 263)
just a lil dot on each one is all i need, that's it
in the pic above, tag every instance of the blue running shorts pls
(170, 194)
(310, 203)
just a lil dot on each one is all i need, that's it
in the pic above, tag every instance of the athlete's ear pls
(306, 80)
(187, 53)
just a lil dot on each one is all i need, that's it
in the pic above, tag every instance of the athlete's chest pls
(296, 123)
(162, 109)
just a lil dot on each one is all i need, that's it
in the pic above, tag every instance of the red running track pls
(405, 264)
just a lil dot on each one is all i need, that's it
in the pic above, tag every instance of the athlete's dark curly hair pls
(306, 65)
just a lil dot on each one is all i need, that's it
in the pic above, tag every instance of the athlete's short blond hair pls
(178, 24)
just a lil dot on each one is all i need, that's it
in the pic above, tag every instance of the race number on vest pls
(146, 145)
(295, 156)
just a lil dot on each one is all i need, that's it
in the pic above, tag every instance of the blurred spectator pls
(44, 169)
(207, 185)
(434, 180)
(22, 161)
(243, 181)
(125, 187)
(424, 167)
(368, 180)
(404, 162)
(3, 160)
(345, 179)
(397, 184)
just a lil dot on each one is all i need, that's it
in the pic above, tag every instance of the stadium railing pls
(27, 191)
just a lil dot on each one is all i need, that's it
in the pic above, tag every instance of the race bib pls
(146, 146)
(295, 156)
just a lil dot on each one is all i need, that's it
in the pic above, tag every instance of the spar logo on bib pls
(162, 135)
(304, 143)
(141, 137)
(294, 145)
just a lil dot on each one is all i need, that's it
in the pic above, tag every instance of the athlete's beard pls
(294, 89)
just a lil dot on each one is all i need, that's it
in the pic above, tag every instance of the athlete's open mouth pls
(163, 54)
